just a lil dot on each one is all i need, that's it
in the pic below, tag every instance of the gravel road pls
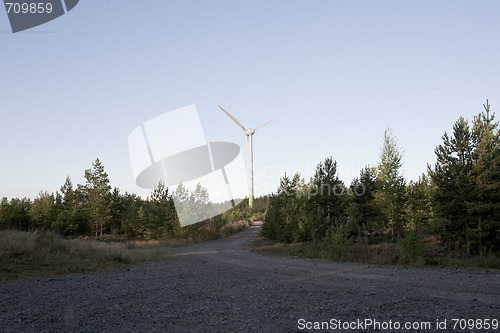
(223, 286)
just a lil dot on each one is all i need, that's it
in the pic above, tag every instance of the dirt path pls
(222, 286)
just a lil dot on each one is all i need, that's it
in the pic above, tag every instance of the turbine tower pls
(249, 133)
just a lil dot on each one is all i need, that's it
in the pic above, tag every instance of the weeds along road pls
(222, 286)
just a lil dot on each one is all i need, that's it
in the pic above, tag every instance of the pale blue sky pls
(335, 73)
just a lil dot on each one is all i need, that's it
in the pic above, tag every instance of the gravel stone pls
(223, 286)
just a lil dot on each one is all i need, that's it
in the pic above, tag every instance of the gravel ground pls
(222, 286)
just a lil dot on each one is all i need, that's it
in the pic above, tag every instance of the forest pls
(453, 208)
(96, 209)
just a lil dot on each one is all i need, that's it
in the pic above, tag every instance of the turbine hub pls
(249, 132)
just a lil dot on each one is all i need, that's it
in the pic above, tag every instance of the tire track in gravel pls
(223, 286)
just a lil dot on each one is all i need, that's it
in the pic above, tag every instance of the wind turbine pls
(249, 133)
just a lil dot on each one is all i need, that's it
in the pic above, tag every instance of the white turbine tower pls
(249, 133)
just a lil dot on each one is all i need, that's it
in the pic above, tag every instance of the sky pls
(335, 74)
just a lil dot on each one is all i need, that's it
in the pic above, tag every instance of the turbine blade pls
(234, 119)
(270, 121)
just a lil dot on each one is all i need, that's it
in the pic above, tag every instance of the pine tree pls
(117, 211)
(5, 212)
(466, 179)
(484, 207)
(418, 205)
(286, 214)
(130, 222)
(392, 183)
(330, 195)
(97, 196)
(67, 221)
(165, 216)
(43, 210)
(68, 194)
(364, 212)
(452, 184)
(18, 214)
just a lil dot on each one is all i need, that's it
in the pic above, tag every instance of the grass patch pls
(407, 252)
(30, 255)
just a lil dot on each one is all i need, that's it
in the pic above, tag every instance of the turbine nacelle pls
(249, 132)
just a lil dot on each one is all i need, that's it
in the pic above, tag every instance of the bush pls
(411, 250)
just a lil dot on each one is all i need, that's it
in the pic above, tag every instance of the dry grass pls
(153, 244)
(208, 231)
(28, 255)
(234, 227)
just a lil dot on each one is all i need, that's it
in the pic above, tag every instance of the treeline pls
(97, 209)
(457, 201)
